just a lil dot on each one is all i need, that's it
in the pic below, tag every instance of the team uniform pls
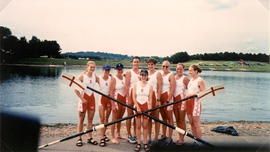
(179, 93)
(142, 96)
(153, 81)
(119, 91)
(165, 88)
(104, 88)
(88, 95)
(133, 80)
(194, 105)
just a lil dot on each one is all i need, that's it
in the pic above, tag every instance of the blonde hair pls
(91, 62)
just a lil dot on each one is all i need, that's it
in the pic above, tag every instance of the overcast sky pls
(143, 27)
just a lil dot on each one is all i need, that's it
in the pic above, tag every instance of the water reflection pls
(11, 72)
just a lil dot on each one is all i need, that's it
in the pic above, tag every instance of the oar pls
(129, 117)
(117, 121)
(202, 94)
(181, 131)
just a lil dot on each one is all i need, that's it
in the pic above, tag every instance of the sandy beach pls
(242, 127)
(253, 137)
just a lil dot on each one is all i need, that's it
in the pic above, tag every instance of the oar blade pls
(212, 91)
(72, 82)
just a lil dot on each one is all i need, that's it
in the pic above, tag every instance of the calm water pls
(38, 91)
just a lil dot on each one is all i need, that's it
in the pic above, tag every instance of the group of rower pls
(142, 89)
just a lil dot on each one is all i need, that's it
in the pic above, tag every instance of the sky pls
(143, 27)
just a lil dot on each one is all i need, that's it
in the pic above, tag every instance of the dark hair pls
(136, 57)
(151, 60)
(181, 65)
(144, 72)
(196, 68)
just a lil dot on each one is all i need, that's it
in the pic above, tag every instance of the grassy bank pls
(206, 65)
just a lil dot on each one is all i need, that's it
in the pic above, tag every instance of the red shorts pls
(143, 107)
(193, 107)
(164, 98)
(90, 102)
(122, 99)
(179, 104)
(105, 102)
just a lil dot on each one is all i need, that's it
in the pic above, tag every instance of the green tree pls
(179, 57)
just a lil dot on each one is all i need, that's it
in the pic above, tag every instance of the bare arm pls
(112, 91)
(159, 85)
(186, 81)
(77, 92)
(172, 86)
(150, 97)
(127, 82)
(201, 85)
(134, 96)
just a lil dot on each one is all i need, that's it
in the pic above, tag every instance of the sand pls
(242, 127)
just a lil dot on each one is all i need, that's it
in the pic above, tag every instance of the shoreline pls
(128, 67)
(244, 128)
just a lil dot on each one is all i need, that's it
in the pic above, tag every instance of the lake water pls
(39, 91)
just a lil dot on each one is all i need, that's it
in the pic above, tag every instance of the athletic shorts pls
(90, 102)
(143, 107)
(193, 107)
(179, 105)
(105, 102)
(122, 99)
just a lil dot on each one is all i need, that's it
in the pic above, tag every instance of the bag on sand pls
(226, 129)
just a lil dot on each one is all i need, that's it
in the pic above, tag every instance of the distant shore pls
(243, 128)
(266, 68)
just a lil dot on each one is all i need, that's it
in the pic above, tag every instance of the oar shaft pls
(154, 118)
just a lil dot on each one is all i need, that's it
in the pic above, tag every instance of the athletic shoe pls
(131, 140)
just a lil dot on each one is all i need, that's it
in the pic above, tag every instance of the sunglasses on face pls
(164, 66)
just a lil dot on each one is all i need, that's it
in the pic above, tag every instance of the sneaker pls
(131, 140)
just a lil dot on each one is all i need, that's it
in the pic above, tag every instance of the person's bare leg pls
(80, 123)
(114, 117)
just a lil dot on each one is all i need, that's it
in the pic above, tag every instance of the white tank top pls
(142, 93)
(89, 82)
(166, 83)
(119, 86)
(104, 85)
(180, 86)
(193, 85)
(153, 81)
(134, 78)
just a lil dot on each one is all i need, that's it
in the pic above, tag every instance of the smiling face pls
(91, 66)
(106, 72)
(119, 71)
(143, 77)
(151, 66)
(166, 66)
(192, 72)
(136, 63)
(179, 69)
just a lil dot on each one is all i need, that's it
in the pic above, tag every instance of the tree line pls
(13, 48)
(221, 56)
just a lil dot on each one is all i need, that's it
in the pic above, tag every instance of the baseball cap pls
(106, 67)
(119, 66)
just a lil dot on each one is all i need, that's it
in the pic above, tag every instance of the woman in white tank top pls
(194, 106)
(132, 77)
(118, 91)
(105, 103)
(168, 88)
(87, 101)
(155, 79)
(179, 108)
(142, 96)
